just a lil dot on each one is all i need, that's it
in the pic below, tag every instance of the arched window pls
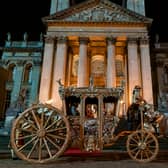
(97, 70)
(119, 66)
(97, 66)
(28, 73)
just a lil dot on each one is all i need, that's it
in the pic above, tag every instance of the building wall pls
(3, 79)
(22, 62)
(160, 75)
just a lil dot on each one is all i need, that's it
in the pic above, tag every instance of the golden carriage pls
(88, 121)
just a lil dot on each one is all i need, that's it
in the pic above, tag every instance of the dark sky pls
(19, 16)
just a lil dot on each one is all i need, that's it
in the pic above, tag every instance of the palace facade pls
(95, 38)
(98, 39)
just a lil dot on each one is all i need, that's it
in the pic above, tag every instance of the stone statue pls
(9, 36)
(25, 36)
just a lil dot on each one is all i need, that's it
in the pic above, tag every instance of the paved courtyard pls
(112, 160)
(8, 163)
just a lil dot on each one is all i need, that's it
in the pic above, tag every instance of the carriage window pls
(109, 105)
(73, 106)
(91, 111)
(91, 108)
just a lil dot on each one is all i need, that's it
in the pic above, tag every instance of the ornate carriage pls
(88, 121)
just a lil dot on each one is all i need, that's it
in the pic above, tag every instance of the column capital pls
(37, 62)
(144, 40)
(111, 40)
(83, 40)
(20, 63)
(62, 39)
(49, 39)
(132, 40)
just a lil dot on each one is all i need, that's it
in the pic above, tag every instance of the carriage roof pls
(91, 91)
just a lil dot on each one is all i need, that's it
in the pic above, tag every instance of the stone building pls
(21, 62)
(160, 74)
(94, 38)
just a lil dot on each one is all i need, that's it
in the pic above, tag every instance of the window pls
(11, 73)
(28, 73)
(97, 66)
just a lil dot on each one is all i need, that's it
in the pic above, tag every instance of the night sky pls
(21, 16)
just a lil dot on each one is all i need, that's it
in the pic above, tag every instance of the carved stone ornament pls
(61, 40)
(21, 62)
(132, 40)
(100, 13)
(37, 62)
(111, 40)
(97, 11)
(144, 40)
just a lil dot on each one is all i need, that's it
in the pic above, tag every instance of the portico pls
(101, 40)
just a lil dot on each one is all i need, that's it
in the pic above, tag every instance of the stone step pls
(4, 142)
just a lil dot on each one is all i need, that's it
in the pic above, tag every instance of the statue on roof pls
(8, 36)
(25, 36)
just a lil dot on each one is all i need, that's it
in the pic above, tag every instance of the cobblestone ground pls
(111, 161)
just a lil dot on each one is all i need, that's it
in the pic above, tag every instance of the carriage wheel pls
(142, 146)
(40, 134)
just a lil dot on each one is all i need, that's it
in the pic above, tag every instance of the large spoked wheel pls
(40, 134)
(142, 146)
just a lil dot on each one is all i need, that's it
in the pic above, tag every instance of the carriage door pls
(90, 122)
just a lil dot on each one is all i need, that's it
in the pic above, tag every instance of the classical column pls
(59, 70)
(111, 67)
(83, 67)
(146, 70)
(17, 81)
(70, 59)
(133, 66)
(45, 85)
(35, 81)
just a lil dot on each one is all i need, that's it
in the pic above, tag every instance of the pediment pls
(97, 11)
